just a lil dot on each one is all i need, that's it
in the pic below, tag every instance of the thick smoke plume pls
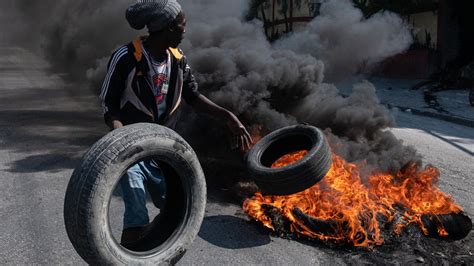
(76, 37)
(346, 42)
(271, 85)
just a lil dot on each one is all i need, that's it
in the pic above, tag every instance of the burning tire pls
(297, 176)
(455, 226)
(93, 181)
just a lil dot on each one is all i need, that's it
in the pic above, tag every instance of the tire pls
(295, 177)
(457, 225)
(92, 183)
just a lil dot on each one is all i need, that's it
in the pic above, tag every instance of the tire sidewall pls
(171, 149)
(297, 176)
(255, 154)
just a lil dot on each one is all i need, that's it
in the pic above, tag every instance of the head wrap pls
(155, 14)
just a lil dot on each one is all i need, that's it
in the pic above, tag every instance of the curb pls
(450, 118)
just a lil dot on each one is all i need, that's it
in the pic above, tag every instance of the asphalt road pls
(46, 125)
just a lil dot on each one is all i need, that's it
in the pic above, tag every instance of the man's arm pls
(113, 86)
(204, 105)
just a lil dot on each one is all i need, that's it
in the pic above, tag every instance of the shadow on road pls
(46, 162)
(453, 143)
(47, 127)
(50, 140)
(230, 232)
(456, 135)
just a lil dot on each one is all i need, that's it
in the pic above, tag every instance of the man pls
(145, 82)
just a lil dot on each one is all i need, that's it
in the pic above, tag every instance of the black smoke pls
(266, 84)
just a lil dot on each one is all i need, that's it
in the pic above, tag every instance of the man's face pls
(177, 31)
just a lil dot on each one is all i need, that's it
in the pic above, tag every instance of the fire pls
(355, 208)
(289, 159)
(255, 133)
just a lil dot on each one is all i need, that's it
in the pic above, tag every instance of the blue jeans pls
(134, 194)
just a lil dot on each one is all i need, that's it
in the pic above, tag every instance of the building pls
(442, 30)
(283, 16)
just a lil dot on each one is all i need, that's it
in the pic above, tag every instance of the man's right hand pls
(115, 124)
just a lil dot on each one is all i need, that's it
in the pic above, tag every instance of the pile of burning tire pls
(341, 207)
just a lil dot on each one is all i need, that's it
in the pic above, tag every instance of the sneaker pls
(133, 236)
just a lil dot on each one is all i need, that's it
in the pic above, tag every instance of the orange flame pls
(256, 133)
(289, 159)
(353, 205)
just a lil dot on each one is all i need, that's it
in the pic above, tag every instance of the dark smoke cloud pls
(356, 125)
(282, 83)
(20, 24)
(86, 32)
(358, 116)
(75, 36)
(272, 85)
(346, 42)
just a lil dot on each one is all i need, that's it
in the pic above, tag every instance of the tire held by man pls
(297, 176)
(94, 180)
